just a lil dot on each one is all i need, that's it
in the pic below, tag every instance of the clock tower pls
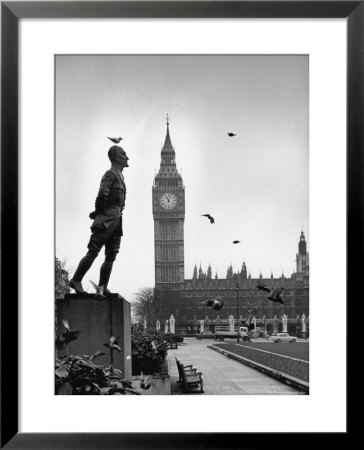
(169, 216)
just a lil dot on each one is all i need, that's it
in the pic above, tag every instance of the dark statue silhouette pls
(107, 223)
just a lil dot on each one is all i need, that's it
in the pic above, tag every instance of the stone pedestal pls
(172, 324)
(231, 323)
(202, 326)
(284, 323)
(97, 320)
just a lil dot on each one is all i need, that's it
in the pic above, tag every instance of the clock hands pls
(168, 200)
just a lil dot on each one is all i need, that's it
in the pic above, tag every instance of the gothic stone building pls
(182, 297)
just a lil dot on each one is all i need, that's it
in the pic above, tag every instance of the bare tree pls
(147, 306)
(61, 278)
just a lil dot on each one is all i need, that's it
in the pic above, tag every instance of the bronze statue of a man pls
(107, 225)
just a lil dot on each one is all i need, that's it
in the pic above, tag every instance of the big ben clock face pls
(168, 200)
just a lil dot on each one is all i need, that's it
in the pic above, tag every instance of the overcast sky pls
(254, 184)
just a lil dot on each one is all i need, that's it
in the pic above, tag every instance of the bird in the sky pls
(115, 140)
(69, 335)
(113, 341)
(263, 287)
(276, 296)
(99, 291)
(215, 303)
(236, 242)
(211, 219)
(231, 134)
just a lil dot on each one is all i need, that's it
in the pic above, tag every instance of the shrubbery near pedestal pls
(149, 351)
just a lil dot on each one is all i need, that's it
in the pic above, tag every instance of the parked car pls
(284, 337)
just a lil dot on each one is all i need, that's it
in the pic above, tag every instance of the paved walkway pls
(222, 375)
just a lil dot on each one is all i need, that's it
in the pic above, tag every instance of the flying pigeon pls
(258, 334)
(95, 355)
(60, 342)
(207, 302)
(115, 140)
(155, 345)
(276, 296)
(145, 383)
(218, 304)
(231, 134)
(263, 288)
(69, 335)
(99, 291)
(212, 220)
(215, 303)
(236, 242)
(113, 344)
(248, 321)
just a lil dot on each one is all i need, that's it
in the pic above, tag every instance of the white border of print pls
(324, 410)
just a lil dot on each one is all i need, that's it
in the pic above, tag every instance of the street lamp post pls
(237, 312)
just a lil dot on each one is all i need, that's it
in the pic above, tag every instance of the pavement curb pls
(288, 379)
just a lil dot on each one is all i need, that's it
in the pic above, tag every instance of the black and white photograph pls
(182, 224)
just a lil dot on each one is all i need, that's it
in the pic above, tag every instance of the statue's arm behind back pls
(104, 190)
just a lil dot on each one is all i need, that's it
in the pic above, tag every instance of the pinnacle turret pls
(302, 249)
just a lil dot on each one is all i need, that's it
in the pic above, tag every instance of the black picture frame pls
(11, 12)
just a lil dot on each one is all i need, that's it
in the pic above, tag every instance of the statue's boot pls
(83, 267)
(105, 273)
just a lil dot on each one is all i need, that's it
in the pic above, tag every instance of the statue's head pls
(117, 155)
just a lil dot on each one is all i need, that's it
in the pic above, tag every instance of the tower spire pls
(168, 154)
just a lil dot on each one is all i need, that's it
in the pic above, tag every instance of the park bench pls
(189, 377)
(188, 368)
(172, 344)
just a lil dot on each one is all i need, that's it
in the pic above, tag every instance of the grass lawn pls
(268, 357)
(298, 350)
